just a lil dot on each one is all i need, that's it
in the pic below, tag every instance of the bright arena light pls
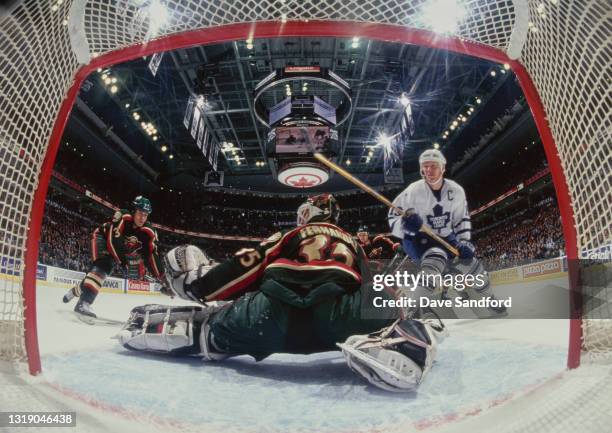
(200, 101)
(158, 16)
(383, 140)
(443, 16)
(404, 100)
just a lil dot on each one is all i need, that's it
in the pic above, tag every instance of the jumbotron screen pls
(302, 139)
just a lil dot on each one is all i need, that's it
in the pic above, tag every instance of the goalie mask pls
(317, 209)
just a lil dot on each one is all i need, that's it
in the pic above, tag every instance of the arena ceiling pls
(443, 88)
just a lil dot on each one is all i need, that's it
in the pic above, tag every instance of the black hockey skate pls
(84, 312)
(500, 311)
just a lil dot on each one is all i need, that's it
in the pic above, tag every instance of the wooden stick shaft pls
(348, 176)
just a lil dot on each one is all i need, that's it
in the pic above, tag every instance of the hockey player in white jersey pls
(440, 204)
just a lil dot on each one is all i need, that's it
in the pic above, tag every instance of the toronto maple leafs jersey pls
(445, 211)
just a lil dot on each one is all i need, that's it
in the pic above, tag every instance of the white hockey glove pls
(184, 265)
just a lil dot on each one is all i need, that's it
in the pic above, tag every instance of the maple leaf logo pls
(303, 182)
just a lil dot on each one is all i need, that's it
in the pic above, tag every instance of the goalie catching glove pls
(398, 357)
(184, 265)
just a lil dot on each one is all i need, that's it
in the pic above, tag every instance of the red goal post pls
(557, 49)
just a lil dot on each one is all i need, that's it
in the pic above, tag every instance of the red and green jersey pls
(302, 258)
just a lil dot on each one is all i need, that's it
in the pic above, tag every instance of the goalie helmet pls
(142, 204)
(319, 208)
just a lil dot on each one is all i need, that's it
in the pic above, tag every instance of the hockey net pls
(48, 47)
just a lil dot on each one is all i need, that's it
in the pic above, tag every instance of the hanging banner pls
(188, 112)
(407, 123)
(215, 156)
(394, 175)
(394, 160)
(196, 122)
(155, 62)
(201, 129)
(206, 142)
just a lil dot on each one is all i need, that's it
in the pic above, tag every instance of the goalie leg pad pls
(162, 329)
(170, 329)
(398, 357)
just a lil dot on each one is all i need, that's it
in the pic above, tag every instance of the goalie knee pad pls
(398, 357)
(184, 265)
(169, 329)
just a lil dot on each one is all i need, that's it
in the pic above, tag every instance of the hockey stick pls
(345, 174)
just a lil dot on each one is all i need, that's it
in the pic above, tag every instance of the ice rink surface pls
(483, 364)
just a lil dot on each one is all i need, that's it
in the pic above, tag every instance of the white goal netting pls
(563, 44)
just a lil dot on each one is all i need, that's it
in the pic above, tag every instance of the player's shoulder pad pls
(415, 186)
(126, 215)
(120, 214)
(458, 189)
(149, 229)
(402, 195)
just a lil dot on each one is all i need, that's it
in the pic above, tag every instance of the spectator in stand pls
(523, 241)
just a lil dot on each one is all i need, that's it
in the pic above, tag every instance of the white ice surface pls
(482, 364)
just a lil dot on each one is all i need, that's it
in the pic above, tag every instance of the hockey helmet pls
(142, 204)
(432, 155)
(319, 208)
